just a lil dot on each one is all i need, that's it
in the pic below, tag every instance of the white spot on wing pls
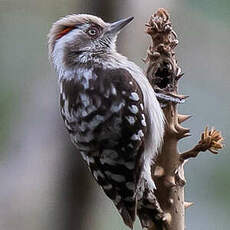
(107, 187)
(143, 122)
(133, 109)
(136, 137)
(117, 107)
(142, 107)
(130, 119)
(134, 96)
(113, 90)
(140, 133)
(84, 113)
(85, 99)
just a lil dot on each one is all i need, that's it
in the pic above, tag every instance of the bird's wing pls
(104, 113)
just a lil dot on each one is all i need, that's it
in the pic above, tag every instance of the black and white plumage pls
(109, 109)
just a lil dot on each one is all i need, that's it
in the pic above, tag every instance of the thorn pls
(179, 76)
(181, 130)
(185, 161)
(167, 218)
(182, 117)
(159, 171)
(185, 135)
(180, 96)
(188, 204)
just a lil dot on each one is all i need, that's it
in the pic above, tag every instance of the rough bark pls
(164, 75)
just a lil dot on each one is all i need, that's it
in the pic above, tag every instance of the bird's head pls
(75, 37)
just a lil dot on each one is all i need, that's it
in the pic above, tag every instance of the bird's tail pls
(149, 211)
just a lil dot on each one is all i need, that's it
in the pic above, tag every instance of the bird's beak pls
(115, 27)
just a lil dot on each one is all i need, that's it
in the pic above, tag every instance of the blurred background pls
(43, 182)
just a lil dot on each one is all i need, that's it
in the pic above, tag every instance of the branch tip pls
(210, 140)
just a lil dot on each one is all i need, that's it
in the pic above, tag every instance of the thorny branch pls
(164, 74)
(210, 140)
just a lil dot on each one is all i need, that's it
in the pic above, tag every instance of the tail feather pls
(127, 211)
(149, 211)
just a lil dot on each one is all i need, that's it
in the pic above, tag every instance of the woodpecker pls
(109, 109)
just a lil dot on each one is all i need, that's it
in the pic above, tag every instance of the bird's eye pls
(93, 32)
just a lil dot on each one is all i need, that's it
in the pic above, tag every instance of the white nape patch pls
(131, 83)
(84, 99)
(98, 119)
(107, 187)
(98, 173)
(115, 177)
(133, 109)
(58, 52)
(116, 107)
(134, 96)
(130, 185)
(130, 119)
